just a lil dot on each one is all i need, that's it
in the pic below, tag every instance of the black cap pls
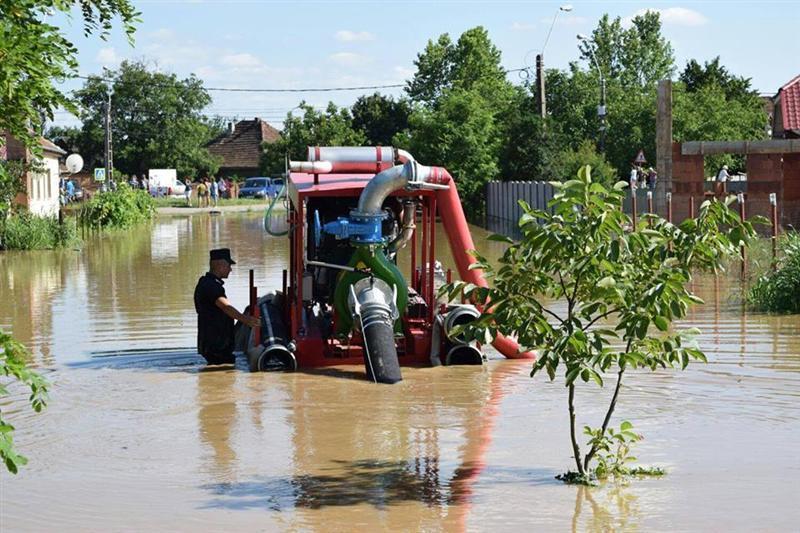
(222, 253)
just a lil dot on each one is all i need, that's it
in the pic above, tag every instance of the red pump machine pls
(345, 301)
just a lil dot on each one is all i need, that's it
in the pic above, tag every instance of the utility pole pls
(109, 152)
(541, 98)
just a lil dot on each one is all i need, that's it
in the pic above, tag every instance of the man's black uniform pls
(214, 328)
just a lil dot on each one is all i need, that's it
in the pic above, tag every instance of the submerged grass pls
(778, 291)
(24, 231)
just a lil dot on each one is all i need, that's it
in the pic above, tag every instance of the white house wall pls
(43, 189)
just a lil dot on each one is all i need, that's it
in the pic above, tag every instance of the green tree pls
(696, 77)
(380, 117)
(623, 289)
(472, 63)
(333, 127)
(462, 134)
(570, 161)
(156, 119)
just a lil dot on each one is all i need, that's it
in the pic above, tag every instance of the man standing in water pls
(215, 314)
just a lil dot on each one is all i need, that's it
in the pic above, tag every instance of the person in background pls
(722, 180)
(134, 182)
(145, 184)
(70, 191)
(202, 193)
(188, 192)
(215, 313)
(652, 178)
(214, 190)
(633, 180)
(223, 189)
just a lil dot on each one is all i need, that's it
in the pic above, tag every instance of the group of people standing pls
(208, 190)
(642, 178)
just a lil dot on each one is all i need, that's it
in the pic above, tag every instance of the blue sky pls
(300, 44)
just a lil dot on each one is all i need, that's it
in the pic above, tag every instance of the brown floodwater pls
(137, 436)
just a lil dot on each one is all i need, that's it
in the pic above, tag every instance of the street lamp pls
(601, 109)
(540, 64)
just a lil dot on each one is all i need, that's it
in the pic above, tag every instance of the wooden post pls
(669, 207)
(743, 273)
(691, 207)
(773, 201)
(663, 142)
(650, 202)
(634, 208)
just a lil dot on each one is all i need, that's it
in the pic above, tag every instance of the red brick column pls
(790, 207)
(687, 182)
(764, 176)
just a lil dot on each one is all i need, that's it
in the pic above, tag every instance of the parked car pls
(175, 189)
(259, 187)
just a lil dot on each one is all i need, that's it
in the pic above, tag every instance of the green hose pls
(268, 214)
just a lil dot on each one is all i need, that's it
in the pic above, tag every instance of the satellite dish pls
(74, 163)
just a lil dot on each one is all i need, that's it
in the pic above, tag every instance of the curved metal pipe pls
(408, 226)
(382, 185)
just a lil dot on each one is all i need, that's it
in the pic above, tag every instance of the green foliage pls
(11, 183)
(118, 209)
(35, 54)
(333, 127)
(695, 77)
(156, 120)
(462, 134)
(571, 160)
(13, 356)
(618, 284)
(779, 291)
(613, 449)
(23, 231)
(380, 118)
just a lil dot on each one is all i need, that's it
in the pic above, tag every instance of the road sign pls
(640, 158)
(99, 174)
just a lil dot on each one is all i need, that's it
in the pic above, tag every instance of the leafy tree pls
(380, 117)
(638, 56)
(461, 134)
(472, 63)
(571, 160)
(333, 127)
(531, 144)
(696, 77)
(156, 120)
(616, 282)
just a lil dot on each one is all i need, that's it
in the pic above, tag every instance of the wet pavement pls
(140, 436)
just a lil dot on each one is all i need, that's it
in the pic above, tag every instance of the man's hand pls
(251, 321)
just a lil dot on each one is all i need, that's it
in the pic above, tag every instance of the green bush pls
(24, 231)
(779, 291)
(122, 208)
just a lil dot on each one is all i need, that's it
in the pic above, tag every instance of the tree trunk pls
(610, 411)
(575, 449)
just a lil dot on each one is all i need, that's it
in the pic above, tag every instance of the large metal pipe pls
(407, 228)
(460, 239)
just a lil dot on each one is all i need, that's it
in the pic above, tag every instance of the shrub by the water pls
(24, 231)
(122, 208)
(779, 291)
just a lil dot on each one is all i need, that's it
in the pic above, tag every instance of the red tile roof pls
(242, 148)
(790, 104)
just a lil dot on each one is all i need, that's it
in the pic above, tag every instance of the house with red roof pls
(786, 118)
(241, 147)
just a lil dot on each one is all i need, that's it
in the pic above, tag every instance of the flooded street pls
(137, 436)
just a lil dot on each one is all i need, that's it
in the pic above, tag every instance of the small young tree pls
(616, 282)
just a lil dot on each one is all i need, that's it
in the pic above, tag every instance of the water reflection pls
(618, 509)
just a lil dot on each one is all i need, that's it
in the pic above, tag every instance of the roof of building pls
(49, 146)
(242, 148)
(790, 104)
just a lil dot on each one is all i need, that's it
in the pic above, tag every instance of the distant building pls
(786, 118)
(240, 147)
(40, 194)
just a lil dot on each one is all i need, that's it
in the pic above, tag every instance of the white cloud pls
(404, 73)
(351, 36)
(243, 60)
(349, 59)
(675, 16)
(522, 26)
(162, 34)
(107, 57)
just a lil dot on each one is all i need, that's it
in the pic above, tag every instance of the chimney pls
(231, 128)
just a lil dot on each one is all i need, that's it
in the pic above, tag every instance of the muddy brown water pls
(138, 436)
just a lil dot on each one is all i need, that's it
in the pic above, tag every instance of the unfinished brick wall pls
(687, 182)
